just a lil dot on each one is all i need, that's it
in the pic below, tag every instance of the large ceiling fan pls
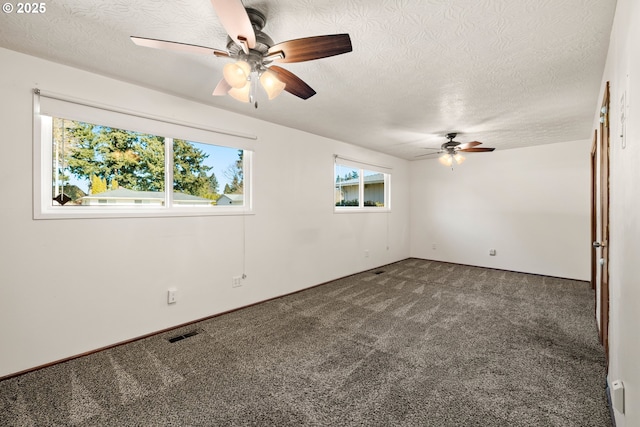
(254, 52)
(450, 150)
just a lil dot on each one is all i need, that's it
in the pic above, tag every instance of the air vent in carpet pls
(378, 272)
(181, 337)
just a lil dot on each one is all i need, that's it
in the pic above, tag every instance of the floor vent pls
(378, 272)
(181, 337)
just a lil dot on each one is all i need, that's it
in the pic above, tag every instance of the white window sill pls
(68, 212)
(347, 210)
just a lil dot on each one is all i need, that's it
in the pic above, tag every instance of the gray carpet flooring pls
(415, 343)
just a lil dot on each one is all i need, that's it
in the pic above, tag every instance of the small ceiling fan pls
(451, 150)
(254, 52)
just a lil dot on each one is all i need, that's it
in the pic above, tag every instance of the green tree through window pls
(109, 158)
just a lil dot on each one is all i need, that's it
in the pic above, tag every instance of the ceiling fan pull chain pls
(253, 90)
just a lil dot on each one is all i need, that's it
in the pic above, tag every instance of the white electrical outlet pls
(617, 396)
(433, 246)
(366, 253)
(171, 296)
(236, 281)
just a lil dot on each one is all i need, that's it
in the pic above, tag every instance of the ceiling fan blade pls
(235, 21)
(309, 48)
(433, 151)
(221, 88)
(469, 145)
(178, 47)
(429, 154)
(477, 150)
(293, 84)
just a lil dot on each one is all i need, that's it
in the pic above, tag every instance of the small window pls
(360, 188)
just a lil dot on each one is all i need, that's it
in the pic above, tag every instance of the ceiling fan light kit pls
(254, 52)
(449, 159)
(242, 80)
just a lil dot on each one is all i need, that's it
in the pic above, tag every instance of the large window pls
(360, 186)
(95, 168)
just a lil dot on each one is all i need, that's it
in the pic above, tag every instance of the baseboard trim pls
(502, 269)
(182, 325)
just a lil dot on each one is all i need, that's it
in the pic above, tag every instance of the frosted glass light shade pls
(271, 84)
(241, 94)
(459, 158)
(236, 74)
(446, 159)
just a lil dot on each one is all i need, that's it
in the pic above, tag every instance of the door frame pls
(594, 213)
(604, 220)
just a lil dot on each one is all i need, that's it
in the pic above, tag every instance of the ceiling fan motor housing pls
(255, 57)
(450, 145)
(263, 41)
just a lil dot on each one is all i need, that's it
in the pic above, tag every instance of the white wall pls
(529, 204)
(623, 72)
(71, 286)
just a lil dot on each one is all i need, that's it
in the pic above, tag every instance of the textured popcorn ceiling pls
(509, 73)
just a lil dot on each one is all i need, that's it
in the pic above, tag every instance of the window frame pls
(362, 167)
(169, 129)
